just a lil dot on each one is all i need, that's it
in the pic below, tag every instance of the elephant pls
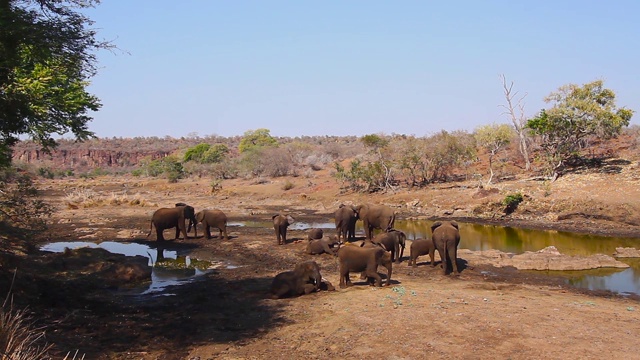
(446, 238)
(304, 279)
(167, 218)
(363, 259)
(192, 222)
(393, 241)
(324, 245)
(422, 247)
(345, 219)
(315, 234)
(280, 224)
(213, 218)
(375, 217)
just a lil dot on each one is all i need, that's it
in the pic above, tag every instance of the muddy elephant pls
(446, 238)
(345, 219)
(280, 224)
(305, 278)
(213, 219)
(422, 247)
(324, 245)
(363, 259)
(375, 217)
(315, 234)
(167, 218)
(393, 241)
(192, 221)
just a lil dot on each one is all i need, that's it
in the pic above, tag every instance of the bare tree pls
(517, 118)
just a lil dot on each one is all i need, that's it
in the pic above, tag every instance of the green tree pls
(378, 174)
(195, 153)
(579, 114)
(493, 138)
(256, 139)
(47, 55)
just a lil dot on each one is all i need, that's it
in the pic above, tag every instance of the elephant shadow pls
(462, 264)
(360, 281)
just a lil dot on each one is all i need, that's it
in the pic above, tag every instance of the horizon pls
(348, 69)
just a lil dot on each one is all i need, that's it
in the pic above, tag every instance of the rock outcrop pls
(548, 258)
(626, 252)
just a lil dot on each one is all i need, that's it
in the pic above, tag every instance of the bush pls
(511, 202)
(288, 185)
(20, 205)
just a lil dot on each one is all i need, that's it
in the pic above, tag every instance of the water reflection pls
(168, 267)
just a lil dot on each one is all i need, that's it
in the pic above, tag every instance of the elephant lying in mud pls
(363, 259)
(304, 279)
(280, 224)
(446, 238)
(167, 218)
(315, 234)
(324, 245)
(422, 247)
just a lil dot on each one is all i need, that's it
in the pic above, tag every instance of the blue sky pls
(349, 67)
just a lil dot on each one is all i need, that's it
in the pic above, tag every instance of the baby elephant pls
(363, 259)
(422, 247)
(280, 224)
(304, 279)
(315, 234)
(213, 219)
(321, 246)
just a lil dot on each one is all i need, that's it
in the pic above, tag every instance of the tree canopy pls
(579, 114)
(47, 55)
(256, 139)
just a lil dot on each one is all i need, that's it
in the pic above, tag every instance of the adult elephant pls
(363, 259)
(192, 222)
(213, 219)
(446, 238)
(345, 219)
(304, 279)
(321, 246)
(167, 218)
(393, 241)
(280, 224)
(422, 247)
(375, 217)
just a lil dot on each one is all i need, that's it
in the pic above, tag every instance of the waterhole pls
(169, 267)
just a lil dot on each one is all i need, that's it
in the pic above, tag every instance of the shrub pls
(511, 202)
(288, 185)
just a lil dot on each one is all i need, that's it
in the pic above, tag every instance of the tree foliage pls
(493, 138)
(46, 58)
(204, 153)
(256, 139)
(579, 114)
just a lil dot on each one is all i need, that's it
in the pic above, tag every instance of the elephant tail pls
(150, 228)
(445, 254)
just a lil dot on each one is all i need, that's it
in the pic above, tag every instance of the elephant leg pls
(454, 261)
(432, 257)
(376, 276)
(207, 231)
(309, 288)
(343, 282)
(159, 234)
(282, 291)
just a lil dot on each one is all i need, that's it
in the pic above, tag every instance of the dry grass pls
(85, 198)
(19, 339)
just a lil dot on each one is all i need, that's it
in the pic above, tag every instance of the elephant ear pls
(275, 216)
(290, 219)
(200, 216)
(435, 225)
(454, 224)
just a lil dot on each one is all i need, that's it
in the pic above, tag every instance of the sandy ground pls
(227, 314)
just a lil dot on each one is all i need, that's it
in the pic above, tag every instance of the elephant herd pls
(380, 250)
